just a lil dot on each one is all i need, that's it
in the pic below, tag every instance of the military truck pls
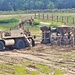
(18, 38)
(63, 35)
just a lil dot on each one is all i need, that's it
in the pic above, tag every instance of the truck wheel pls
(19, 44)
(1, 46)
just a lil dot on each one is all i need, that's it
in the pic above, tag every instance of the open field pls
(39, 60)
(64, 18)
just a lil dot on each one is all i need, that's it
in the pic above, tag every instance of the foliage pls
(36, 22)
(7, 5)
(12, 20)
(51, 5)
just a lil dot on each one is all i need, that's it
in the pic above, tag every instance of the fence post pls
(62, 19)
(73, 20)
(57, 18)
(43, 16)
(52, 17)
(67, 19)
(47, 17)
(39, 15)
(35, 16)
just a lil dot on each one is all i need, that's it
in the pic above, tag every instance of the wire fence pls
(56, 18)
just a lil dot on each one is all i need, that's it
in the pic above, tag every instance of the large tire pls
(1, 46)
(19, 44)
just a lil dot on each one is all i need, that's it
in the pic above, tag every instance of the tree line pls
(8, 5)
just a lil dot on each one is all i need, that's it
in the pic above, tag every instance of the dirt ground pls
(62, 57)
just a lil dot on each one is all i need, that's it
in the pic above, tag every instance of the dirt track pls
(53, 56)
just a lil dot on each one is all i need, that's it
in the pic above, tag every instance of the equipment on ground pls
(64, 35)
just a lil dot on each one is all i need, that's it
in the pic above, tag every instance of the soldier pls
(71, 38)
(53, 37)
(69, 35)
(59, 37)
(64, 38)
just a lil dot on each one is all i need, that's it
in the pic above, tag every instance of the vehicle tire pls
(27, 44)
(19, 44)
(2, 47)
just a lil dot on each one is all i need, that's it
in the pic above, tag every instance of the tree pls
(39, 4)
(51, 5)
(6, 5)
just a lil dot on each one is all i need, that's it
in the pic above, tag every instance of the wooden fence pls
(56, 18)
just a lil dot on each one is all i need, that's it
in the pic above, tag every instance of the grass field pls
(24, 69)
(65, 18)
(28, 67)
(36, 29)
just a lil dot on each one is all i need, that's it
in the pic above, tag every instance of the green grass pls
(43, 68)
(12, 20)
(49, 21)
(34, 73)
(58, 72)
(8, 26)
(20, 70)
(69, 56)
(15, 12)
(36, 22)
(25, 64)
(59, 14)
(7, 68)
(66, 65)
(35, 30)
(54, 25)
